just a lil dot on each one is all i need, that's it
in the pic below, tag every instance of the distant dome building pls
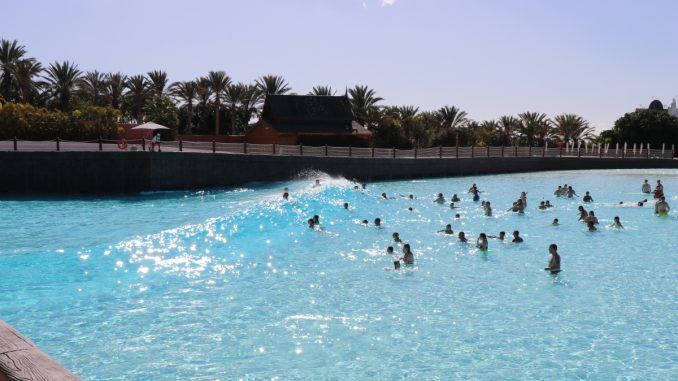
(656, 105)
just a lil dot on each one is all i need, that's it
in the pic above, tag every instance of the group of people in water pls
(518, 206)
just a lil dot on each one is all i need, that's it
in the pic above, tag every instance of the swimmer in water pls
(447, 230)
(457, 215)
(311, 223)
(500, 237)
(558, 192)
(439, 199)
(346, 205)
(641, 203)
(617, 223)
(591, 226)
(408, 256)
(587, 197)
(659, 186)
(365, 222)
(516, 237)
(452, 206)
(286, 196)
(316, 219)
(384, 196)
(482, 243)
(582, 213)
(554, 260)
(591, 217)
(473, 188)
(396, 260)
(462, 237)
(455, 198)
(488, 209)
(317, 183)
(662, 207)
(555, 222)
(476, 195)
(571, 193)
(410, 209)
(646, 188)
(542, 205)
(523, 198)
(396, 238)
(377, 222)
(548, 204)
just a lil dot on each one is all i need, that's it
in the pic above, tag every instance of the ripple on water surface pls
(232, 284)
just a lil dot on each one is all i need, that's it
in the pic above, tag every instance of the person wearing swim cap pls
(554, 259)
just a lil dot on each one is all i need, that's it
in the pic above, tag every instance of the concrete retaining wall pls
(127, 172)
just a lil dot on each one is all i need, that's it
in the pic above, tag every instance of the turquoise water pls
(233, 285)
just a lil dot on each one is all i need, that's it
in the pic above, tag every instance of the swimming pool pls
(232, 284)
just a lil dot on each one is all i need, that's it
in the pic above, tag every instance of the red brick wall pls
(209, 138)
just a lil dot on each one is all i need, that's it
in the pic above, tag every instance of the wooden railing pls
(596, 150)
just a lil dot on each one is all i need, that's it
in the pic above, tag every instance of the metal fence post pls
(214, 146)
(561, 151)
(15, 143)
(326, 150)
(57, 141)
(372, 151)
(415, 152)
(394, 152)
(473, 151)
(488, 151)
(301, 150)
(244, 148)
(673, 150)
(181, 145)
(349, 151)
(274, 148)
(515, 151)
(456, 154)
(440, 152)
(579, 151)
(101, 144)
(529, 152)
(543, 154)
(502, 150)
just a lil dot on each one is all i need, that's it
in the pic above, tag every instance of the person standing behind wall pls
(155, 142)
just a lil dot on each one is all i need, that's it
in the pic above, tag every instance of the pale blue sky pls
(598, 59)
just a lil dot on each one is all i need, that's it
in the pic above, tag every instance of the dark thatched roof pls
(308, 114)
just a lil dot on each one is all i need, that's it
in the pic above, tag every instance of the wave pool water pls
(233, 284)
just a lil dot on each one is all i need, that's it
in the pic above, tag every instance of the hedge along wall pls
(26, 122)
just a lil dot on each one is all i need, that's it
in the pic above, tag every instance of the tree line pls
(36, 98)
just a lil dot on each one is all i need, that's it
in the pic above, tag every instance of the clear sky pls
(596, 58)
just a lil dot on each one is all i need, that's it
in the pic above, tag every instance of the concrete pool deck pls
(26, 173)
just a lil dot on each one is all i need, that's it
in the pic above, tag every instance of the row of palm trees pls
(205, 101)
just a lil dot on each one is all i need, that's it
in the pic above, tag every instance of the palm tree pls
(10, 53)
(406, 115)
(135, 98)
(273, 84)
(572, 127)
(362, 99)
(533, 124)
(23, 75)
(186, 91)
(158, 82)
(234, 96)
(250, 100)
(509, 124)
(62, 79)
(115, 85)
(93, 87)
(452, 118)
(322, 91)
(218, 82)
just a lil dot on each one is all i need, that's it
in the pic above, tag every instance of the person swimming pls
(555, 222)
(482, 243)
(500, 237)
(410, 209)
(558, 192)
(473, 188)
(488, 209)
(646, 188)
(591, 217)
(408, 256)
(377, 222)
(455, 198)
(311, 223)
(396, 259)
(457, 215)
(571, 193)
(554, 260)
(582, 213)
(548, 204)
(452, 206)
(516, 237)
(365, 222)
(384, 196)
(447, 230)
(317, 183)
(346, 205)
(476, 195)
(591, 225)
(439, 199)
(542, 205)
(587, 197)
(617, 223)
(286, 196)
(661, 207)
(659, 190)
(396, 238)
(523, 198)
(462, 237)
(316, 219)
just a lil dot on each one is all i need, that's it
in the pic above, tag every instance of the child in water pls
(482, 243)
